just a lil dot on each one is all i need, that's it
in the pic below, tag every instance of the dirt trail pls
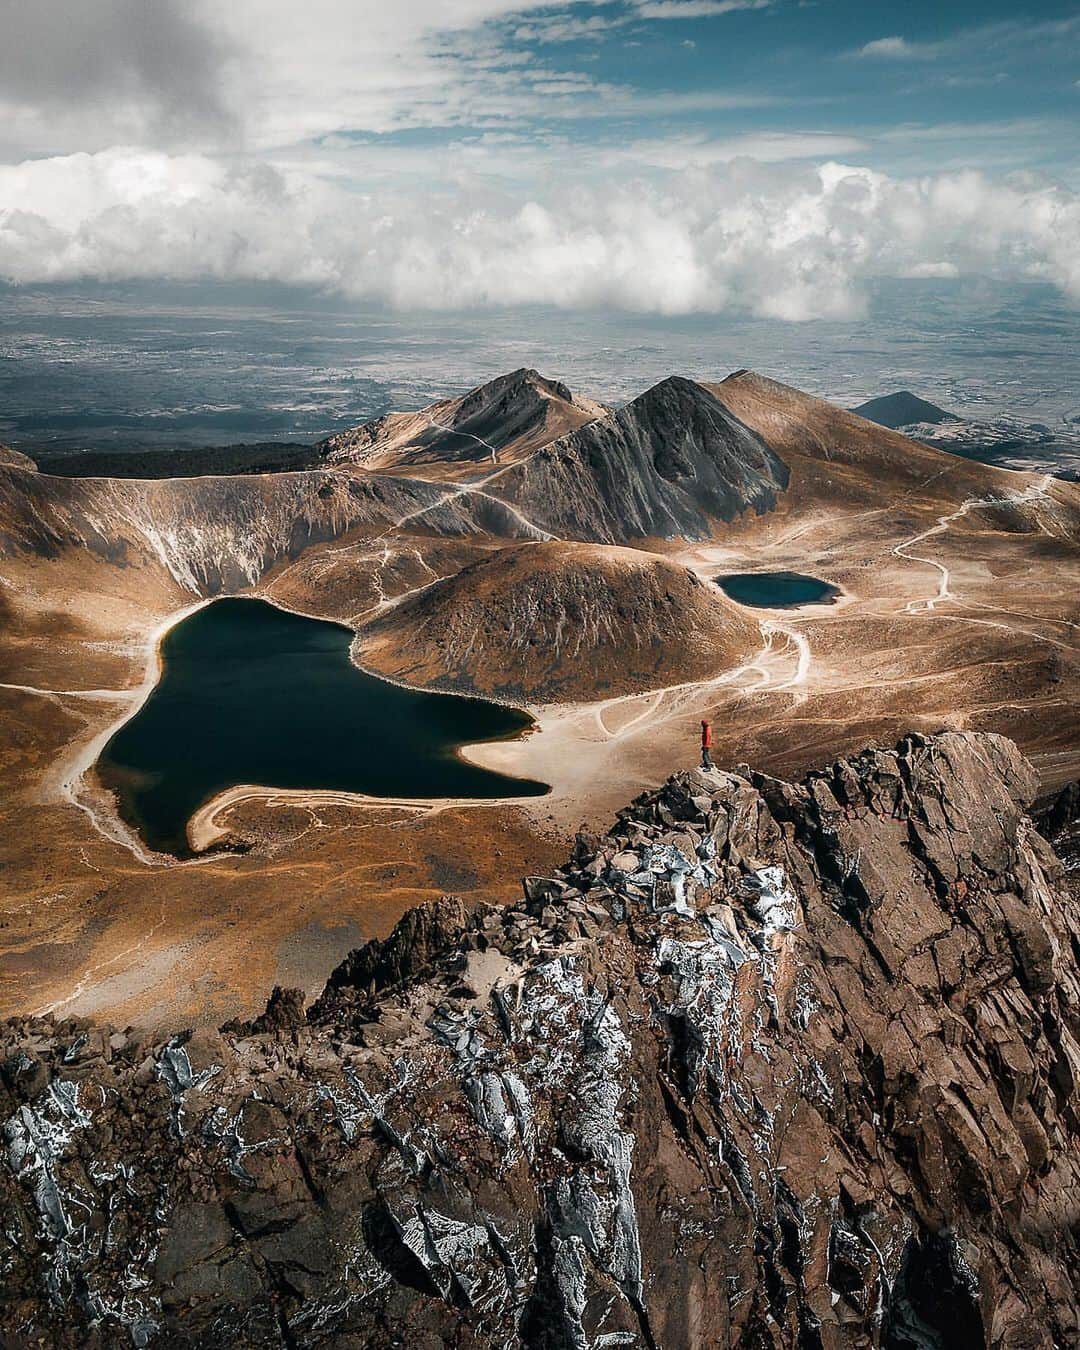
(1033, 492)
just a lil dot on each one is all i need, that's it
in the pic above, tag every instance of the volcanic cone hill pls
(768, 1065)
(560, 621)
(494, 424)
(902, 409)
(670, 463)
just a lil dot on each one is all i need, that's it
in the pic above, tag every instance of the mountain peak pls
(494, 424)
(662, 466)
(525, 382)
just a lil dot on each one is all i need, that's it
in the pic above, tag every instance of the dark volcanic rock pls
(1058, 818)
(420, 938)
(770, 1065)
(664, 465)
(284, 1012)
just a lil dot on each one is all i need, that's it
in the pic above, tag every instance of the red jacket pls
(706, 735)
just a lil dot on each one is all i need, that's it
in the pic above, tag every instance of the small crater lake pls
(249, 693)
(777, 590)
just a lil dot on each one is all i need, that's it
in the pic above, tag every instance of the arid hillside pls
(541, 622)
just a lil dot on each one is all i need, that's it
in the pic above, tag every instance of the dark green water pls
(251, 694)
(776, 590)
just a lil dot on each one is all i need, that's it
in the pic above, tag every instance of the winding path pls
(456, 431)
(1033, 492)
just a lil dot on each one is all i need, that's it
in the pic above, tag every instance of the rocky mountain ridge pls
(494, 424)
(220, 534)
(667, 464)
(671, 461)
(768, 1065)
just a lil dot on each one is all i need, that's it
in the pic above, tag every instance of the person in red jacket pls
(706, 744)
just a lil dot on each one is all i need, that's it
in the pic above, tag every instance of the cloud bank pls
(510, 152)
(784, 241)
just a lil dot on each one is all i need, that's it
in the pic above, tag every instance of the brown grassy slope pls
(561, 621)
(15, 459)
(798, 424)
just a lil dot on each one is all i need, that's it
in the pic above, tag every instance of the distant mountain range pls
(503, 421)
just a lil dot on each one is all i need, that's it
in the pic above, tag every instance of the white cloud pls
(435, 153)
(266, 76)
(86, 75)
(567, 28)
(251, 74)
(1012, 42)
(784, 240)
(694, 9)
(680, 152)
(896, 49)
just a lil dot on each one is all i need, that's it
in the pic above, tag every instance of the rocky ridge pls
(668, 464)
(494, 424)
(222, 534)
(767, 1065)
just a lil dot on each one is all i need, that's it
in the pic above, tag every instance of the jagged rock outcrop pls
(544, 621)
(494, 424)
(667, 464)
(769, 1065)
(1058, 819)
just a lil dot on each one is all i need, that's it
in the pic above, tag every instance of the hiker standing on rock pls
(706, 744)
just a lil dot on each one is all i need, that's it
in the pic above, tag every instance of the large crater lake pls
(249, 693)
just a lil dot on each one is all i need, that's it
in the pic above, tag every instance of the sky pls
(771, 158)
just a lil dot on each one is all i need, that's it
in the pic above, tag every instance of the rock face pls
(665, 465)
(556, 621)
(769, 1065)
